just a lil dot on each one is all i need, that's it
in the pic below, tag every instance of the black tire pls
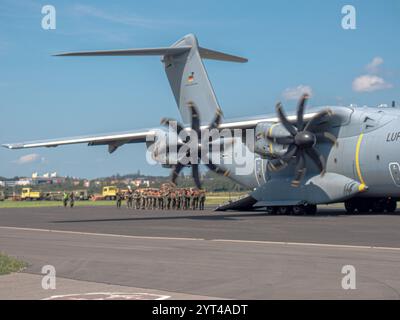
(378, 206)
(363, 206)
(391, 206)
(270, 210)
(284, 210)
(350, 207)
(298, 210)
(311, 209)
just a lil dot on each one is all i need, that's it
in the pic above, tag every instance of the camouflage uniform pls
(129, 200)
(71, 199)
(202, 199)
(119, 199)
(179, 199)
(169, 200)
(160, 201)
(173, 200)
(155, 200)
(144, 200)
(136, 198)
(187, 199)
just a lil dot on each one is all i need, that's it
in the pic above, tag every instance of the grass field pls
(10, 264)
(213, 199)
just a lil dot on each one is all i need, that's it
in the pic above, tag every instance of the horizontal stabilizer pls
(129, 52)
(215, 55)
(204, 53)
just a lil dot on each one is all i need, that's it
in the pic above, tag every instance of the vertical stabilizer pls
(189, 80)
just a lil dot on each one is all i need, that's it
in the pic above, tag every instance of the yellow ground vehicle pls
(28, 194)
(110, 192)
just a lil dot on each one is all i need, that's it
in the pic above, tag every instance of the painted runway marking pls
(109, 296)
(281, 243)
(100, 234)
(308, 244)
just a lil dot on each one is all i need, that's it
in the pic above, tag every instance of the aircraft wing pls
(113, 140)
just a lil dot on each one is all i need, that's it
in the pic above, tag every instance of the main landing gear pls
(295, 210)
(367, 205)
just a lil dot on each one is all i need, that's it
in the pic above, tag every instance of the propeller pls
(301, 141)
(195, 127)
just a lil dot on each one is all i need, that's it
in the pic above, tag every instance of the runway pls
(245, 255)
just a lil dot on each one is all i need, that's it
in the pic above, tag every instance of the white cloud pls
(373, 66)
(29, 158)
(296, 92)
(369, 83)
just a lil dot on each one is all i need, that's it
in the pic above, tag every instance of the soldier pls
(178, 199)
(202, 199)
(155, 199)
(150, 202)
(137, 200)
(71, 199)
(119, 198)
(173, 199)
(187, 199)
(192, 203)
(129, 199)
(160, 200)
(144, 199)
(165, 199)
(196, 199)
(169, 199)
(65, 199)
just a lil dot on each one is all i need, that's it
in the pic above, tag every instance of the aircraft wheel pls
(298, 210)
(391, 206)
(311, 209)
(283, 210)
(350, 207)
(363, 206)
(378, 206)
(270, 210)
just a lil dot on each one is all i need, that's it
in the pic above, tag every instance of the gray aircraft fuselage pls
(367, 152)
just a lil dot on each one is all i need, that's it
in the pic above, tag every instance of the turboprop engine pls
(266, 146)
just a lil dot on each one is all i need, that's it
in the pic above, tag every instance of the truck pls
(109, 192)
(28, 194)
(81, 195)
(52, 196)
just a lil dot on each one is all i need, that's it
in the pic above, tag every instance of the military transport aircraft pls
(331, 154)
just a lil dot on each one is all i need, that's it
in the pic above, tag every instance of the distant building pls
(9, 184)
(141, 182)
(47, 178)
(23, 182)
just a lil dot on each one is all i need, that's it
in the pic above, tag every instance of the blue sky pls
(290, 44)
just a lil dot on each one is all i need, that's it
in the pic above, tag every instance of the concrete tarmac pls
(184, 254)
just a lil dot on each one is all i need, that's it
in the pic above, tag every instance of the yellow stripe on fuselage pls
(270, 135)
(360, 138)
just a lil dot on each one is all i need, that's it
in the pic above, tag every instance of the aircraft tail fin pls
(185, 71)
(189, 80)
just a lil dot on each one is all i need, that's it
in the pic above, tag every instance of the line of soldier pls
(152, 199)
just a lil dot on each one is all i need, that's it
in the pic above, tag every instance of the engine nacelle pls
(265, 146)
